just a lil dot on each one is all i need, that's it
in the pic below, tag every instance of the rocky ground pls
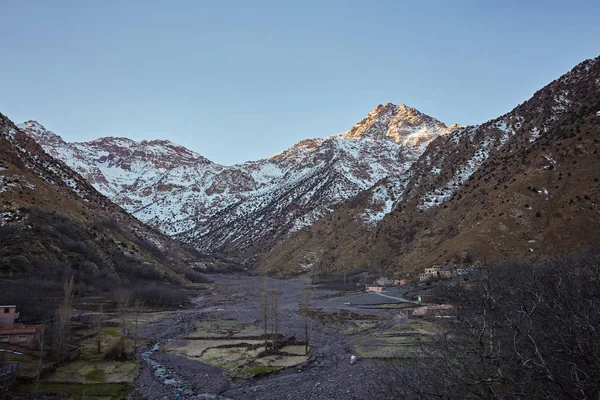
(326, 375)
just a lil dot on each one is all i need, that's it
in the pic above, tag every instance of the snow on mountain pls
(521, 186)
(245, 208)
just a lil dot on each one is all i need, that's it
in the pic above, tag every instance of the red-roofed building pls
(16, 334)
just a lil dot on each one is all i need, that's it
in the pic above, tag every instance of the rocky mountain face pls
(524, 185)
(245, 209)
(54, 224)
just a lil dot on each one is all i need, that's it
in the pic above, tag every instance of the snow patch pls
(535, 133)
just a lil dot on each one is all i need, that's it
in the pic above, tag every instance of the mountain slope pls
(524, 185)
(53, 224)
(244, 209)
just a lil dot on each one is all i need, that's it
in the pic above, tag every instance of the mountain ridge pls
(195, 200)
(54, 224)
(479, 194)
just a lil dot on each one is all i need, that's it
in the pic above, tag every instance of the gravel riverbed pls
(326, 375)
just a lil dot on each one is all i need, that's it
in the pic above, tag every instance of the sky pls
(243, 80)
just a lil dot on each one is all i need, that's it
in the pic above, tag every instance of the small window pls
(6, 310)
(4, 339)
(21, 338)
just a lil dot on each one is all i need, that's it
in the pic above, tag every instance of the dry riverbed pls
(215, 350)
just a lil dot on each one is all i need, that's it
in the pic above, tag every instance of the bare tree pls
(123, 300)
(304, 312)
(523, 332)
(61, 333)
(136, 311)
(41, 359)
(96, 323)
(275, 297)
(315, 275)
(264, 306)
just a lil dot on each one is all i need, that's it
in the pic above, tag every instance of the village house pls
(423, 277)
(433, 271)
(399, 282)
(375, 289)
(436, 310)
(445, 273)
(17, 334)
(383, 281)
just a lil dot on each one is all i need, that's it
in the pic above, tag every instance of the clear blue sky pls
(242, 80)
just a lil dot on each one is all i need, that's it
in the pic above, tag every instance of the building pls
(383, 281)
(462, 271)
(437, 310)
(445, 273)
(375, 289)
(433, 271)
(399, 282)
(425, 277)
(15, 334)
(8, 315)
(426, 298)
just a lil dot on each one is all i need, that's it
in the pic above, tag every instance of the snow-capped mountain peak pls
(246, 208)
(37, 131)
(399, 123)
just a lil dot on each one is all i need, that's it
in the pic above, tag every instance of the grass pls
(112, 331)
(209, 343)
(357, 326)
(82, 371)
(96, 376)
(107, 391)
(27, 363)
(398, 341)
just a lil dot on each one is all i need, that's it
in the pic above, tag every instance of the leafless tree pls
(523, 332)
(61, 332)
(136, 311)
(275, 299)
(38, 371)
(96, 323)
(123, 300)
(304, 312)
(264, 307)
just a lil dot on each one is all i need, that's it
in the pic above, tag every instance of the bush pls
(116, 352)
(134, 270)
(196, 277)
(159, 296)
(143, 244)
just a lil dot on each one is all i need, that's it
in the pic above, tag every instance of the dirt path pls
(326, 375)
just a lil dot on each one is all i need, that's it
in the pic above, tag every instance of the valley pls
(403, 258)
(214, 349)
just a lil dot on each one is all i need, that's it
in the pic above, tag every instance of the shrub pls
(160, 296)
(196, 277)
(116, 352)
